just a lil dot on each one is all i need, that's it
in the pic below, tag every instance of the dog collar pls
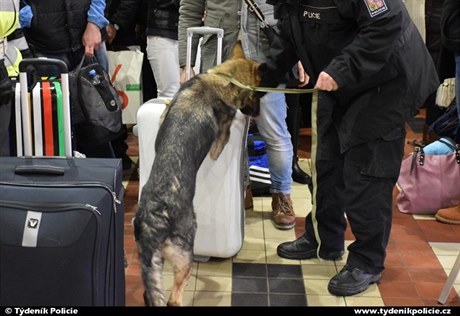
(259, 89)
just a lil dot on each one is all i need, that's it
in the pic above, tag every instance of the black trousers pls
(6, 95)
(358, 183)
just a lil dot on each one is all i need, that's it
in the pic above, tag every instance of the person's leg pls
(370, 173)
(6, 96)
(163, 55)
(293, 124)
(325, 224)
(272, 126)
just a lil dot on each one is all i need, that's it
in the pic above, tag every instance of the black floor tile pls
(246, 299)
(286, 286)
(250, 285)
(284, 271)
(288, 300)
(249, 270)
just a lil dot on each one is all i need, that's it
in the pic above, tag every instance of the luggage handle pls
(25, 114)
(39, 170)
(42, 62)
(202, 30)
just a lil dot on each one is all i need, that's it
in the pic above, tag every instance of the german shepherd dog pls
(197, 122)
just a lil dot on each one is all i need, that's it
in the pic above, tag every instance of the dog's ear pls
(237, 51)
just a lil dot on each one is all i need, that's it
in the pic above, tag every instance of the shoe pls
(351, 280)
(298, 175)
(449, 215)
(302, 249)
(248, 201)
(282, 211)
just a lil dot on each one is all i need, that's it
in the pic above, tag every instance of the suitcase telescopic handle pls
(202, 30)
(26, 116)
(42, 62)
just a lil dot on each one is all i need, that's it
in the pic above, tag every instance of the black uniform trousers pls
(6, 95)
(359, 183)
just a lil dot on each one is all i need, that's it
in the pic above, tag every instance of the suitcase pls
(219, 196)
(63, 223)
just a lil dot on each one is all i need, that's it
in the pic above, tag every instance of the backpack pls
(96, 106)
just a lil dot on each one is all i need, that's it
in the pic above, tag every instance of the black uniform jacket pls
(371, 48)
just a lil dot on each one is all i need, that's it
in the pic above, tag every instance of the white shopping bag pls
(125, 69)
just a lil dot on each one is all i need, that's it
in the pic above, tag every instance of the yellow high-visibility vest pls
(9, 17)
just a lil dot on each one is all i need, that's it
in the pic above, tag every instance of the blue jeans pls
(272, 126)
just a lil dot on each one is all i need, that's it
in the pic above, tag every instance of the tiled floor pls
(421, 253)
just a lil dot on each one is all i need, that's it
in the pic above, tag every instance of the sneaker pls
(283, 215)
(449, 215)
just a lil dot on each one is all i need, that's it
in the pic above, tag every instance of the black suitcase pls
(61, 218)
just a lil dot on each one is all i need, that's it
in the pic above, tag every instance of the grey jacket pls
(231, 16)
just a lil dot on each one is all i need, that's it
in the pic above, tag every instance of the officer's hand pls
(326, 82)
(304, 78)
(182, 75)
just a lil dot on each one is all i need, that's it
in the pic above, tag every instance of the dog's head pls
(245, 71)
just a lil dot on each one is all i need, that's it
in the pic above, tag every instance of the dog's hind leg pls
(149, 245)
(182, 263)
(152, 275)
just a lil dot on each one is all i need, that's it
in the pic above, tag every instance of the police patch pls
(375, 7)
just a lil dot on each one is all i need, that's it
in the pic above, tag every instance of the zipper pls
(50, 207)
(60, 207)
(115, 200)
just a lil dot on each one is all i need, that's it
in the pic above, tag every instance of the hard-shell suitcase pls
(218, 201)
(62, 219)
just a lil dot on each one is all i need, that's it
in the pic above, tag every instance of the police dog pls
(197, 122)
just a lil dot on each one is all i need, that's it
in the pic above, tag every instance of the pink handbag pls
(428, 183)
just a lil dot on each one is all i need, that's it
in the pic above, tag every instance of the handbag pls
(428, 183)
(445, 93)
(96, 106)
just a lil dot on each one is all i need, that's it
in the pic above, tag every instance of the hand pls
(182, 75)
(111, 33)
(91, 38)
(326, 82)
(304, 78)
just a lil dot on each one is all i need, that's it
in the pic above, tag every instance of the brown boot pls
(282, 211)
(449, 215)
(248, 202)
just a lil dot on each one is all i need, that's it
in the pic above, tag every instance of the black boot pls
(293, 125)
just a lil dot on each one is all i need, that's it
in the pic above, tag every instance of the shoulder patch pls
(375, 7)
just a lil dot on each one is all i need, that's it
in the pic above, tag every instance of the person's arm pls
(96, 21)
(122, 18)
(282, 55)
(190, 15)
(373, 45)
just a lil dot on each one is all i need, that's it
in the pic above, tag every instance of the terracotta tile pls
(427, 275)
(391, 274)
(397, 290)
(429, 290)
(394, 259)
(402, 301)
(420, 259)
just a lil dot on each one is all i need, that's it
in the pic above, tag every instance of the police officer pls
(373, 71)
(9, 50)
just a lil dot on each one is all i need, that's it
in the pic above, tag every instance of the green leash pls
(260, 89)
